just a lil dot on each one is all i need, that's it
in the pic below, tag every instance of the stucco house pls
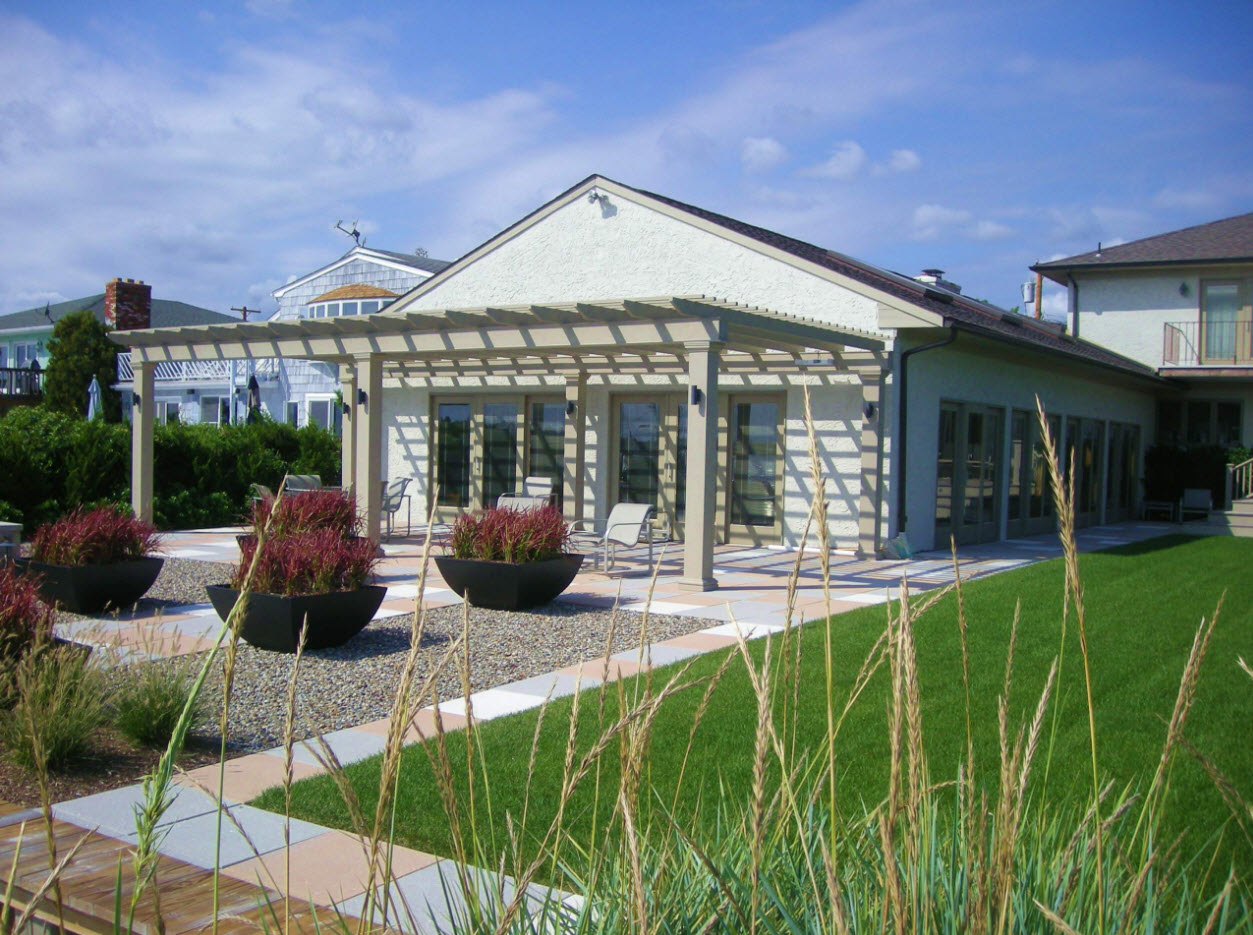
(636, 348)
(1178, 302)
(125, 304)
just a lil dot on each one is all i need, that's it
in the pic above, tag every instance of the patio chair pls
(628, 524)
(393, 496)
(536, 492)
(302, 483)
(1197, 501)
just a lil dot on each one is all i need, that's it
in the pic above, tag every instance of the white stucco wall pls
(1127, 310)
(997, 379)
(582, 252)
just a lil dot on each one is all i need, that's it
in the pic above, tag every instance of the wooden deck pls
(91, 893)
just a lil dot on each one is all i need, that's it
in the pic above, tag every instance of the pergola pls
(693, 335)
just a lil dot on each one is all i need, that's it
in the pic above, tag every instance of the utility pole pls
(245, 311)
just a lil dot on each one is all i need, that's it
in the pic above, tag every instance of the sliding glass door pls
(968, 474)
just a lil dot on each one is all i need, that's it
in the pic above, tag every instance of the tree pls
(79, 350)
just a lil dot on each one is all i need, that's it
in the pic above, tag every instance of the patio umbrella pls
(93, 400)
(254, 398)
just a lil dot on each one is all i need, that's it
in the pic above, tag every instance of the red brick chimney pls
(127, 304)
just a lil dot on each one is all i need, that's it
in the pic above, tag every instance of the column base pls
(698, 584)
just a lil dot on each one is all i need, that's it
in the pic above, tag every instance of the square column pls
(870, 498)
(367, 420)
(348, 426)
(702, 465)
(575, 458)
(143, 416)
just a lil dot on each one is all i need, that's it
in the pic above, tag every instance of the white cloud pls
(761, 153)
(845, 162)
(1195, 199)
(930, 220)
(990, 230)
(900, 162)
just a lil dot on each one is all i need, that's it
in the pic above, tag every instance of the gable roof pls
(410, 261)
(357, 290)
(1227, 241)
(939, 307)
(166, 313)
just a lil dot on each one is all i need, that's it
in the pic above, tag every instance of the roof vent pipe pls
(935, 277)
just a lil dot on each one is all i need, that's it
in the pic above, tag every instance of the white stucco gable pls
(618, 244)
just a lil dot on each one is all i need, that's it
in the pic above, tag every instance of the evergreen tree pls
(79, 350)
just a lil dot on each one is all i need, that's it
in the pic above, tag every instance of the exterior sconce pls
(1183, 289)
(191, 392)
(697, 396)
(570, 407)
(362, 397)
(868, 410)
(345, 407)
(136, 402)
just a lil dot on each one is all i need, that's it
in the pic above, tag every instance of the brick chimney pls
(127, 304)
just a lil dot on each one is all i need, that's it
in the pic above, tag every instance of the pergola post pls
(702, 454)
(143, 415)
(348, 427)
(368, 440)
(870, 499)
(575, 446)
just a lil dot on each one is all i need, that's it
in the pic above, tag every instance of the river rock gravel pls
(355, 683)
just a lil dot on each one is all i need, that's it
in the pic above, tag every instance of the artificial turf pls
(1143, 602)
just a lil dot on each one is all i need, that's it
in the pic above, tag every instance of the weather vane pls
(354, 233)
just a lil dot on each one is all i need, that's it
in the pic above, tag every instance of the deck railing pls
(1208, 344)
(21, 381)
(1239, 481)
(182, 371)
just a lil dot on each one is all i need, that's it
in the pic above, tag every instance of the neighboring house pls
(361, 282)
(636, 348)
(125, 303)
(1179, 302)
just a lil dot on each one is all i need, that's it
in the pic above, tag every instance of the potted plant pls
(507, 559)
(92, 559)
(313, 571)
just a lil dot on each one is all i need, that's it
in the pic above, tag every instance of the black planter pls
(273, 622)
(505, 585)
(89, 589)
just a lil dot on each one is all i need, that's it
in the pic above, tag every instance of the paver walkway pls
(328, 866)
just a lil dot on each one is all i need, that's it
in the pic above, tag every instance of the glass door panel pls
(546, 444)
(500, 450)
(452, 455)
(639, 452)
(1220, 314)
(755, 476)
(1020, 428)
(945, 475)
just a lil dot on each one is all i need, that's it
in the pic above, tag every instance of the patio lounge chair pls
(393, 496)
(302, 483)
(536, 492)
(1197, 501)
(628, 524)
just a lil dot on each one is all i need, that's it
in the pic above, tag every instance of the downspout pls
(903, 420)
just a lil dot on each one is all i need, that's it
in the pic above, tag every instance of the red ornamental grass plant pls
(315, 562)
(307, 512)
(25, 620)
(98, 536)
(516, 536)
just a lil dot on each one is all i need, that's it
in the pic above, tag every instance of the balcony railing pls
(1209, 344)
(21, 382)
(181, 371)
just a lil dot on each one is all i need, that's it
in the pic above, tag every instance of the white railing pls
(181, 371)
(1239, 481)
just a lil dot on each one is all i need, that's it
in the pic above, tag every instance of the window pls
(25, 353)
(4, 355)
(324, 413)
(1200, 422)
(348, 308)
(292, 412)
(168, 412)
(1225, 322)
(215, 410)
(368, 307)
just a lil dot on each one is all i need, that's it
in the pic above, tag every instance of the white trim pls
(353, 254)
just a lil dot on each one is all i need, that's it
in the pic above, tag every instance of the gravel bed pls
(355, 683)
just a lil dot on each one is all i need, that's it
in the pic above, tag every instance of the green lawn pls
(1144, 603)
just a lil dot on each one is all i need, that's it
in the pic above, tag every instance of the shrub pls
(510, 535)
(315, 562)
(25, 622)
(84, 537)
(148, 699)
(60, 702)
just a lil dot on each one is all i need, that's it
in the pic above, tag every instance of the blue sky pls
(210, 149)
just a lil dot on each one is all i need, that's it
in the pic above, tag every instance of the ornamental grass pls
(508, 535)
(101, 535)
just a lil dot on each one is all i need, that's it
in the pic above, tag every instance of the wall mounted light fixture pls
(697, 396)
(362, 397)
(570, 407)
(867, 409)
(1183, 288)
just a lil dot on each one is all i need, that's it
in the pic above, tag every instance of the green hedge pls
(51, 463)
